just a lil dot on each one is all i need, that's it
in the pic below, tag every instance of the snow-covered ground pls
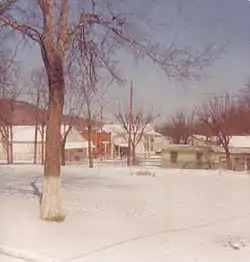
(176, 216)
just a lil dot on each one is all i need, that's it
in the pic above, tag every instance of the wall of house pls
(189, 159)
(76, 155)
(208, 160)
(99, 139)
(24, 152)
(149, 143)
(140, 149)
(239, 161)
(198, 142)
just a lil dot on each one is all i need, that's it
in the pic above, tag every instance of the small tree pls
(243, 120)
(39, 97)
(73, 108)
(141, 120)
(180, 127)
(73, 105)
(92, 92)
(219, 116)
(9, 73)
(6, 111)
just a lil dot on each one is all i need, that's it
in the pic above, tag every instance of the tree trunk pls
(7, 144)
(90, 153)
(36, 128)
(129, 149)
(63, 153)
(228, 159)
(133, 154)
(42, 141)
(35, 144)
(51, 206)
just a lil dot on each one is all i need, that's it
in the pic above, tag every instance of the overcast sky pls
(196, 23)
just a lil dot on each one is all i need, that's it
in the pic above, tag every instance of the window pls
(146, 147)
(199, 157)
(173, 157)
(77, 158)
(237, 159)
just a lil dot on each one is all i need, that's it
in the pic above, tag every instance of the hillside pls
(24, 113)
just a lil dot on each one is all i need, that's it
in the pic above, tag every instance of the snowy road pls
(177, 216)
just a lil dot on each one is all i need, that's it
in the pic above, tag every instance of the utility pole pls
(130, 122)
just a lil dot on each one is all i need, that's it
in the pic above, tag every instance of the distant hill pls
(24, 113)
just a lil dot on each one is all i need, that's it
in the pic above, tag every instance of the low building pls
(203, 157)
(101, 142)
(200, 140)
(185, 156)
(119, 140)
(25, 148)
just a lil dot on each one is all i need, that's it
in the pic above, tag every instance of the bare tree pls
(6, 110)
(39, 96)
(219, 116)
(5, 5)
(9, 73)
(180, 127)
(243, 122)
(50, 24)
(73, 108)
(91, 69)
(102, 103)
(244, 95)
(94, 98)
(89, 89)
(141, 120)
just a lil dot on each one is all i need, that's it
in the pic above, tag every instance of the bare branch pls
(29, 31)
(180, 127)
(219, 114)
(5, 5)
(141, 124)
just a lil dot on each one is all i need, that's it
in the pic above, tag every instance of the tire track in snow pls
(25, 255)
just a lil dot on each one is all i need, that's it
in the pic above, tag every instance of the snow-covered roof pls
(204, 138)
(26, 134)
(114, 128)
(120, 141)
(119, 129)
(76, 145)
(200, 137)
(233, 150)
(162, 141)
(240, 141)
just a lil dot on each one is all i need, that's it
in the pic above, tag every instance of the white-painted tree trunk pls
(51, 206)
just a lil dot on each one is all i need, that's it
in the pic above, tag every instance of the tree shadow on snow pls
(29, 183)
(36, 191)
(20, 184)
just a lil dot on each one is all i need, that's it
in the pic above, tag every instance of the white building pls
(23, 144)
(242, 142)
(149, 143)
